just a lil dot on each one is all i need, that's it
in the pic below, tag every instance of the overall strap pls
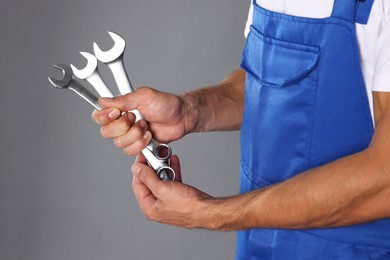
(363, 11)
(345, 9)
(352, 10)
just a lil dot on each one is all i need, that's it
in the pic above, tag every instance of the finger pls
(141, 159)
(105, 115)
(175, 164)
(118, 127)
(135, 147)
(142, 192)
(132, 134)
(148, 177)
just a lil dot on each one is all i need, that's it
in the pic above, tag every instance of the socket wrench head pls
(114, 53)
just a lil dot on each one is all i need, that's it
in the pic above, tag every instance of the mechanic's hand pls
(166, 202)
(164, 113)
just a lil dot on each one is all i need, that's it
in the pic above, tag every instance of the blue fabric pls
(305, 105)
(363, 11)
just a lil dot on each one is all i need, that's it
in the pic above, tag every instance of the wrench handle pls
(83, 92)
(117, 68)
(99, 85)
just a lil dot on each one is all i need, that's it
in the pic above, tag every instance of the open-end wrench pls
(68, 81)
(114, 59)
(163, 170)
(91, 74)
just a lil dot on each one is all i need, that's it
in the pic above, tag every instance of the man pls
(315, 176)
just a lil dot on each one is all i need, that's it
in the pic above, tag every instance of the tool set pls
(157, 154)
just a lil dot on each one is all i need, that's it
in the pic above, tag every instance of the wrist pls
(190, 112)
(232, 213)
(219, 214)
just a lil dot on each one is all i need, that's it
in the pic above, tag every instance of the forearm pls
(348, 191)
(218, 107)
(351, 190)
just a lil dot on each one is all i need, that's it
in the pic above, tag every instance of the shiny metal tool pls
(68, 81)
(113, 58)
(153, 152)
(91, 74)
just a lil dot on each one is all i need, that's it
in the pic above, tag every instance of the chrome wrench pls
(114, 59)
(68, 81)
(91, 74)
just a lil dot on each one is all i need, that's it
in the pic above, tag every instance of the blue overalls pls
(305, 105)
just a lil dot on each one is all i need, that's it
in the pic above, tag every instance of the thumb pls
(124, 103)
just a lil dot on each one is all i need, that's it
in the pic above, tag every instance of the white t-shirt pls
(373, 38)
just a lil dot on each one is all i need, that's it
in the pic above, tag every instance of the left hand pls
(168, 202)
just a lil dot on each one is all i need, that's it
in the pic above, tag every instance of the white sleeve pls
(382, 65)
(249, 21)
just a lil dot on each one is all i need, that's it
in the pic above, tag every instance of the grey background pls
(65, 193)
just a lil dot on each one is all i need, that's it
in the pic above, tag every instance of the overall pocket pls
(279, 103)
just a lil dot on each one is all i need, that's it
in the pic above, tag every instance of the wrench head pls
(114, 53)
(66, 79)
(89, 69)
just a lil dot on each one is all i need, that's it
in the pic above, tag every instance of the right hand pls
(165, 114)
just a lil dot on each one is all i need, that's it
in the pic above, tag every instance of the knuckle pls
(130, 151)
(101, 117)
(147, 137)
(137, 131)
(136, 147)
(161, 190)
(120, 128)
(118, 142)
(123, 124)
(103, 132)
(147, 91)
(123, 99)
(148, 214)
(97, 117)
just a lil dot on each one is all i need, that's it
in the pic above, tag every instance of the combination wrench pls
(69, 81)
(113, 58)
